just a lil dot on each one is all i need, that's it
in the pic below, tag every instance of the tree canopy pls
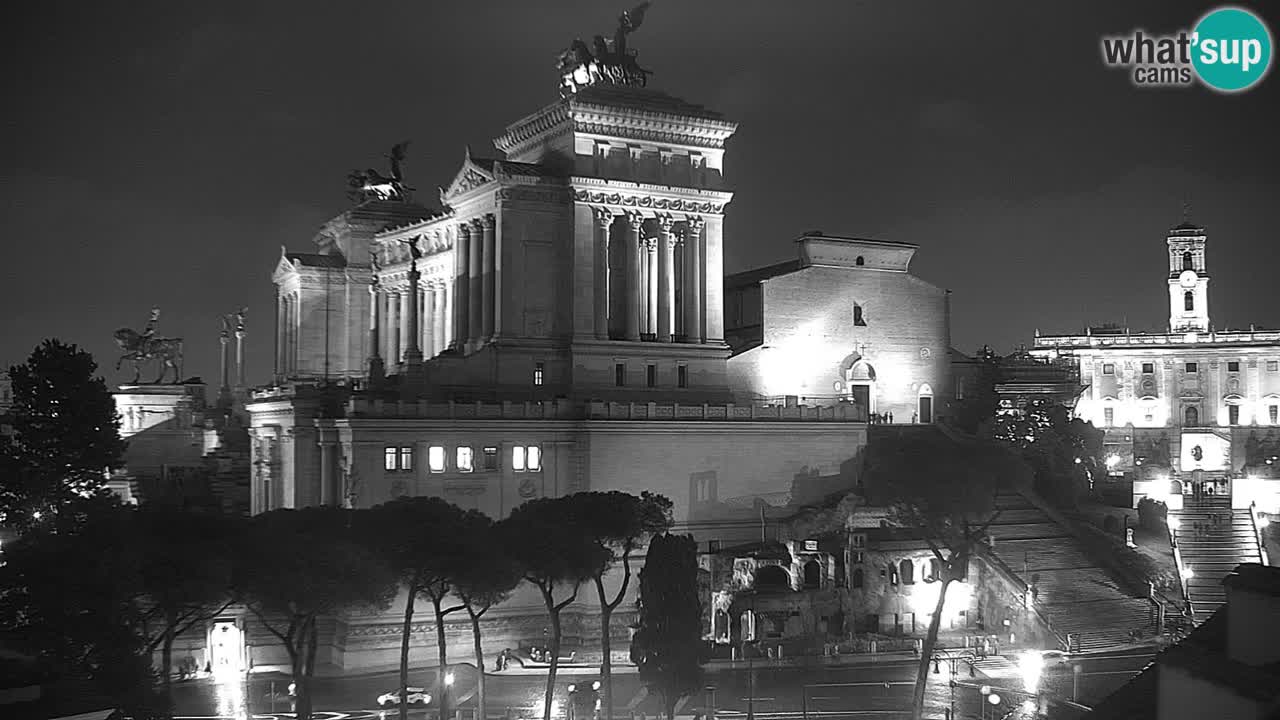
(1064, 453)
(668, 645)
(65, 433)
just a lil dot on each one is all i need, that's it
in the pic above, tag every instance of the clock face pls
(1188, 278)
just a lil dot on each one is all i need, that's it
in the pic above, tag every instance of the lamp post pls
(985, 691)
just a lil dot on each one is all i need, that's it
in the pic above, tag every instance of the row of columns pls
(393, 324)
(650, 280)
(476, 270)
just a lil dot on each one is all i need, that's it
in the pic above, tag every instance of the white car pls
(416, 696)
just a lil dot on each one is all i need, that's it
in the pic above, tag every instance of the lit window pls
(651, 375)
(464, 459)
(1192, 368)
(1148, 368)
(682, 376)
(535, 458)
(537, 373)
(406, 458)
(1233, 366)
(619, 374)
(435, 458)
(389, 459)
(526, 458)
(491, 458)
(1108, 369)
(517, 458)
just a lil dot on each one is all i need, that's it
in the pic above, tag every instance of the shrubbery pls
(1152, 514)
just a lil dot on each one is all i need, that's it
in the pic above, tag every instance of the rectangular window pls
(1148, 368)
(537, 373)
(1233, 414)
(1108, 417)
(517, 458)
(713, 546)
(406, 458)
(858, 540)
(491, 458)
(464, 459)
(1108, 369)
(526, 458)
(534, 455)
(435, 458)
(651, 375)
(959, 388)
(1273, 366)
(857, 557)
(619, 374)
(389, 459)
(1273, 413)
(1233, 366)
(1192, 368)
(682, 376)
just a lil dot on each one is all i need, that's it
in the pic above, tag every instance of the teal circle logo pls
(1231, 49)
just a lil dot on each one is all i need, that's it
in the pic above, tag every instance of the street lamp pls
(985, 690)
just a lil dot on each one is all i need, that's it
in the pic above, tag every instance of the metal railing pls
(1257, 532)
(1024, 589)
(1177, 561)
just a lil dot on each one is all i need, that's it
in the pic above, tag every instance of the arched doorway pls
(1191, 416)
(772, 577)
(812, 574)
(856, 579)
(720, 625)
(924, 405)
(860, 382)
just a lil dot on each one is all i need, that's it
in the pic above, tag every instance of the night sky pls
(160, 153)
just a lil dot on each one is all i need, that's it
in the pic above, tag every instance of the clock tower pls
(1188, 280)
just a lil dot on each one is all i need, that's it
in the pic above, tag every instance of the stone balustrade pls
(563, 409)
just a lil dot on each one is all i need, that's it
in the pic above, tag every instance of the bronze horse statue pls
(140, 348)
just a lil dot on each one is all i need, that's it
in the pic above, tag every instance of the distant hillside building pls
(1193, 405)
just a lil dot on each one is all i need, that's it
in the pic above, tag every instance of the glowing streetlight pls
(1029, 705)
(1031, 664)
(994, 699)
(1186, 572)
(448, 678)
(595, 685)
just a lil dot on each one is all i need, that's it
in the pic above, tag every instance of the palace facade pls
(1195, 403)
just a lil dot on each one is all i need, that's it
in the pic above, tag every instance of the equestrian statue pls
(370, 184)
(144, 346)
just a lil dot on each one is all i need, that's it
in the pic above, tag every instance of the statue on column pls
(414, 251)
(376, 266)
(140, 347)
(581, 66)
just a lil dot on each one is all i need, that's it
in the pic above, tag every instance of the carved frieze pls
(464, 488)
(648, 202)
(550, 196)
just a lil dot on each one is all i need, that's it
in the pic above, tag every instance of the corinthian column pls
(474, 309)
(634, 276)
(666, 278)
(412, 352)
(604, 219)
(488, 266)
(651, 287)
(461, 288)
(692, 295)
(438, 338)
(375, 354)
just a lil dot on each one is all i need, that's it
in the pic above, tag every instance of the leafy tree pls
(487, 576)
(1065, 453)
(668, 645)
(546, 538)
(65, 434)
(185, 574)
(619, 522)
(424, 540)
(298, 565)
(69, 591)
(945, 490)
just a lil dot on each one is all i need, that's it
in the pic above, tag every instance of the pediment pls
(469, 177)
(284, 267)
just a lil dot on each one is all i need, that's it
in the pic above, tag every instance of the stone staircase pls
(1214, 550)
(1075, 593)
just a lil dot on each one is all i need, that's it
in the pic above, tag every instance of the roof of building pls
(317, 260)
(496, 166)
(643, 99)
(751, 277)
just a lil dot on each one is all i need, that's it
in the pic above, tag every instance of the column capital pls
(666, 223)
(488, 221)
(604, 216)
(464, 228)
(695, 222)
(635, 219)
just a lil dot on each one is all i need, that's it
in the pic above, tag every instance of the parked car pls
(416, 696)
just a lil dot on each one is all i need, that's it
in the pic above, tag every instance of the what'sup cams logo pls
(1228, 51)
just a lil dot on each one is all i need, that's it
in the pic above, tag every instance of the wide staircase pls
(1075, 593)
(1212, 540)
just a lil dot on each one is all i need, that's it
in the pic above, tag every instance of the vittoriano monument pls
(602, 63)
(369, 184)
(145, 346)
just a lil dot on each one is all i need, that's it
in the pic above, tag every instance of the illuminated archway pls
(860, 381)
(924, 404)
(772, 577)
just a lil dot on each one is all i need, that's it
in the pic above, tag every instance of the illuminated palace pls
(559, 325)
(1193, 404)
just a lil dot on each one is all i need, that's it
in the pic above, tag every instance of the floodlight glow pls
(1173, 523)
(573, 689)
(1029, 705)
(994, 699)
(1263, 521)
(1031, 665)
(448, 678)
(1186, 572)
(595, 685)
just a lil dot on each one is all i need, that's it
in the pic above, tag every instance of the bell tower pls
(1188, 279)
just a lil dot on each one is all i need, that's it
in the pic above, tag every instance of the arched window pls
(907, 571)
(1191, 417)
(1188, 261)
(812, 574)
(935, 570)
(1188, 301)
(859, 261)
